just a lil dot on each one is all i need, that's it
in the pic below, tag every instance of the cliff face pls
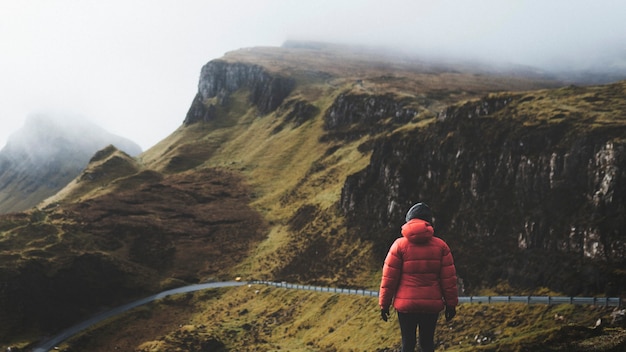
(536, 199)
(219, 79)
(361, 114)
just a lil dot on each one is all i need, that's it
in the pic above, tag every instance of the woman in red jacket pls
(420, 278)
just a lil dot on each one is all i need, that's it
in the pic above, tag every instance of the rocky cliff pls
(354, 115)
(219, 79)
(528, 188)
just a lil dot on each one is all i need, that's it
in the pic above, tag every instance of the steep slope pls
(47, 153)
(297, 164)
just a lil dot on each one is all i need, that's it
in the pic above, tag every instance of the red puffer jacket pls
(419, 273)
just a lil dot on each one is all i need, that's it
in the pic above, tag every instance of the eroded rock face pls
(350, 109)
(536, 203)
(363, 113)
(219, 79)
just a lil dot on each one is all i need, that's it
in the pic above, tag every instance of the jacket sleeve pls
(392, 269)
(447, 277)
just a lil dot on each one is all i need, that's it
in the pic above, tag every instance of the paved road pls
(69, 332)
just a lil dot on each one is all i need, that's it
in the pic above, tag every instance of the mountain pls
(47, 153)
(298, 164)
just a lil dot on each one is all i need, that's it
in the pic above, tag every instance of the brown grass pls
(259, 318)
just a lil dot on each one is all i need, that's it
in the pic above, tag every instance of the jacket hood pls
(418, 231)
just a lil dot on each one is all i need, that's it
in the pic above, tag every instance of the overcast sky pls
(132, 66)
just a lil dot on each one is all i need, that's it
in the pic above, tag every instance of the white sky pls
(132, 66)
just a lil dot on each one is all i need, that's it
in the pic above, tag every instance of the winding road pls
(69, 332)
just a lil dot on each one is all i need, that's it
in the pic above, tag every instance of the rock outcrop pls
(219, 79)
(366, 114)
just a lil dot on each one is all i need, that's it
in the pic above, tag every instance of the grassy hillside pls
(250, 195)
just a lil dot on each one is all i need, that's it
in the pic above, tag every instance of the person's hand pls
(450, 313)
(384, 314)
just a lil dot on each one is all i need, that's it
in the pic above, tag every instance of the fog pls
(132, 66)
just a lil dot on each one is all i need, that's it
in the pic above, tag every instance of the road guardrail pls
(549, 300)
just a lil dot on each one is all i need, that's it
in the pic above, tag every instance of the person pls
(419, 276)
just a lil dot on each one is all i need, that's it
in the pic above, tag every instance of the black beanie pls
(420, 211)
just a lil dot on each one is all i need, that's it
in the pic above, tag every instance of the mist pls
(132, 66)
(42, 135)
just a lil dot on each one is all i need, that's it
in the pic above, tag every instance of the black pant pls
(408, 326)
